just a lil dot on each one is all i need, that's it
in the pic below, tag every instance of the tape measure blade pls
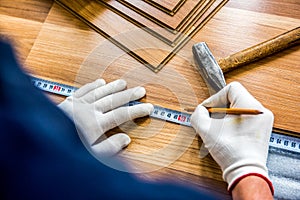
(171, 115)
(168, 114)
(53, 87)
(277, 140)
(285, 142)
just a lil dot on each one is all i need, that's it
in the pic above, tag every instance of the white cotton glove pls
(238, 143)
(97, 107)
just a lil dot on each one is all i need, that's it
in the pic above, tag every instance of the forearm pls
(252, 187)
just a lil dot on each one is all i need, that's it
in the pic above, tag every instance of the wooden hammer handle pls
(261, 50)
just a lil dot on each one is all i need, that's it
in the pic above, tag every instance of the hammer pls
(212, 71)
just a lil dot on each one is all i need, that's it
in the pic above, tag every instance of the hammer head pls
(208, 68)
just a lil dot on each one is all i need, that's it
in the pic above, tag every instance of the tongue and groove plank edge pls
(164, 34)
(174, 23)
(168, 6)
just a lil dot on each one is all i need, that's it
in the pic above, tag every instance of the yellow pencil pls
(235, 111)
(232, 111)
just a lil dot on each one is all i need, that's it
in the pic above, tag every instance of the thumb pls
(111, 145)
(201, 120)
(217, 100)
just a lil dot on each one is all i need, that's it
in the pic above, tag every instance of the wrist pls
(252, 175)
(252, 186)
(236, 172)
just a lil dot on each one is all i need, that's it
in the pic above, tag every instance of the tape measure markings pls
(158, 112)
(53, 87)
(284, 142)
(168, 114)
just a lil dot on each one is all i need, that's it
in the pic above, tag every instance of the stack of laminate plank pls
(151, 31)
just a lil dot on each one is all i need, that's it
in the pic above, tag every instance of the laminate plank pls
(201, 183)
(34, 10)
(144, 47)
(163, 34)
(168, 6)
(20, 22)
(174, 23)
(287, 8)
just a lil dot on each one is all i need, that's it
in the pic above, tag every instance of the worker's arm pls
(252, 187)
(238, 143)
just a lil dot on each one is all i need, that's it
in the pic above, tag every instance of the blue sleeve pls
(42, 157)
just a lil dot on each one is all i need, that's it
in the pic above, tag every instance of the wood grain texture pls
(286, 8)
(33, 10)
(174, 23)
(21, 21)
(168, 6)
(261, 50)
(145, 48)
(68, 51)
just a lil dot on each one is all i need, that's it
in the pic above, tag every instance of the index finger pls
(89, 87)
(235, 95)
(105, 90)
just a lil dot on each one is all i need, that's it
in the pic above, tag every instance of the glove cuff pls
(236, 172)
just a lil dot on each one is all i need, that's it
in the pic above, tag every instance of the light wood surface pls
(21, 22)
(59, 47)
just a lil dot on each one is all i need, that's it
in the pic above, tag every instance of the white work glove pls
(97, 107)
(238, 143)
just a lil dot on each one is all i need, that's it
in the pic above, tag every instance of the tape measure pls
(158, 112)
(277, 140)
(53, 87)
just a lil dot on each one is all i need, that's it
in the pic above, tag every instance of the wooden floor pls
(53, 44)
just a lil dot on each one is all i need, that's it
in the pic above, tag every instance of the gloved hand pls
(238, 143)
(96, 108)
